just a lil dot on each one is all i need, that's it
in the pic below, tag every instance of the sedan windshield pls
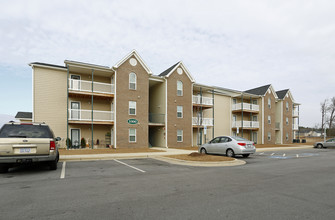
(236, 138)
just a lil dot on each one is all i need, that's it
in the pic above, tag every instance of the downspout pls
(92, 142)
(242, 115)
(213, 114)
(67, 107)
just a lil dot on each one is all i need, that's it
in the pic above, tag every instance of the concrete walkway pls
(170, 151)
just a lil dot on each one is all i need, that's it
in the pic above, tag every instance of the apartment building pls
(127, 106)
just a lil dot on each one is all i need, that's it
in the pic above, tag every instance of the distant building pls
(24, 116)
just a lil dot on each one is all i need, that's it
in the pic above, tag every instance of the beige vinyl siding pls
(49, 97)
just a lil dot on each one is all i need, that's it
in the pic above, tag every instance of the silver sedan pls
(327, 143)
(229, 146)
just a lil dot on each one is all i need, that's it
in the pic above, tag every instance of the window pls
(132, 108)
(179, 88)
(269, 102)
(179, 111)
(234, 101)
(269, 136)
(254, 101)
(286, 120)
(269, 119)
(287, 136)
(179, 135)
(286, 106)
(132, 81)
(132, 135)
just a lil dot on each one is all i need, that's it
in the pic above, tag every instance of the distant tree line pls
(327, 108)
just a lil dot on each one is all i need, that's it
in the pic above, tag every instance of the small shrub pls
(83, 143)
(68, 143)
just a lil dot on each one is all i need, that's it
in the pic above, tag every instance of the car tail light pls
(52, 145)
(241, 144)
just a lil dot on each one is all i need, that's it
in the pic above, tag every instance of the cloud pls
(240, 44)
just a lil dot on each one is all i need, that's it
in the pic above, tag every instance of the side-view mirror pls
(58, 139)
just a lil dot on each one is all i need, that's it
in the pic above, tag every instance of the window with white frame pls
(286, 120)
(286, 106)
(132, 81)
(269, 119)
(132, 134)
(287, 136)
(269, 102)
(179, 135)
(179, 111)
(269, 136)
(132, 108)
(179, 88)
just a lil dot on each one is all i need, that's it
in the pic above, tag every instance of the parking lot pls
(292, 184)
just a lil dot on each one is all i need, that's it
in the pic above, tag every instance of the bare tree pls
(331, 110)
(323, 109)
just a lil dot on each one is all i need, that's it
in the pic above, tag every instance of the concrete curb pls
(235, 162)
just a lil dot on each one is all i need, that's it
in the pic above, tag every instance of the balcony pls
(85, 88)
(198, 100)
(246, 107)
(202, 121)
(295, 127)
(277, 126)
(79, 116)
(295, 114)
(156, 119)
(253, 125)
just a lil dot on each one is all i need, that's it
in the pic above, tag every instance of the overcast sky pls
(233, 44)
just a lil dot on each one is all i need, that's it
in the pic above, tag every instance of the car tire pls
(230, 153)
(245, 155)
(319, 146)
(203, 151)
(53, 164)
(4, 168)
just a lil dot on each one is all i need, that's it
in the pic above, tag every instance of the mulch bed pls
(195, 156)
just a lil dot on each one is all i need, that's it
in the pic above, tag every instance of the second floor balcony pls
(295, 113)
(80, 116)
(85, 87)
(295, 127)
(156, 119)
(200, 100)
(202, 121)
(246, 124)
(246, 107)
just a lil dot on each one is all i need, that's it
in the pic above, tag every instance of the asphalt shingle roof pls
(259, 90)
(281, 94)
(28, 115)
(164, 73)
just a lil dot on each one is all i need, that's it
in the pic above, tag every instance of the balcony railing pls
(295, 127)
(246, 106)
(86, 86)
(202, 121)
(246, 124)
(86, 115)
(157, 118)
(277, 125)
(196, 99)
(295, 113)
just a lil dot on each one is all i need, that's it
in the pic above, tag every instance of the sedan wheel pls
(203, 151)
(230, 153)
(319, 146)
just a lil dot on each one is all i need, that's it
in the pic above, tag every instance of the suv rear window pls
(25, 131)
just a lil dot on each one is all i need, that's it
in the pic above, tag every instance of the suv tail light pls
(241, 144)
(52, 145)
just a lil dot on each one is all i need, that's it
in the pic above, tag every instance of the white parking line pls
(297, 155)
(129, 166)
(261, 153)
(272, 154)
(284, 155)
(62, 174)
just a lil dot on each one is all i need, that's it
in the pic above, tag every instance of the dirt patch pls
(201, 157)
(105, 151)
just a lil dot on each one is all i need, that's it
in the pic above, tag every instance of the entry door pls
(75, 137)
(254, 137)
(75, 82)
(75, 110)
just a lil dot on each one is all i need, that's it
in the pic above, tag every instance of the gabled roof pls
(259, 90)
(170, 70)
(282, 93)
(138, 57)
(26, 115)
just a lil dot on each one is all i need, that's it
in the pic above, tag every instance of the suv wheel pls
(3, 168)
(53, 164)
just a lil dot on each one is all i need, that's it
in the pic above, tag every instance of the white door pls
(75, 82)
(75, 137)
(75, 111)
